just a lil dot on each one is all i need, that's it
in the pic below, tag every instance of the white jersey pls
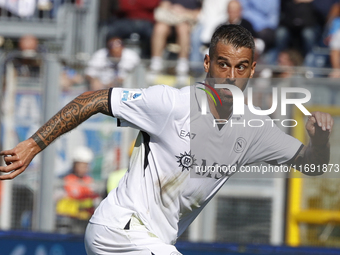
(158, 188)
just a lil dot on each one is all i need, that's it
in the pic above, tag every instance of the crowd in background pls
(180, 30)
(296, 27)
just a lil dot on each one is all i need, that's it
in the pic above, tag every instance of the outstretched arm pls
(317, 152)
(69, 117)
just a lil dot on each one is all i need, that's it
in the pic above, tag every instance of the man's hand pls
(18, 159)
(319, 127)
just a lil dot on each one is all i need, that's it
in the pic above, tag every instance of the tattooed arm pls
(317, 153)
(69, 117)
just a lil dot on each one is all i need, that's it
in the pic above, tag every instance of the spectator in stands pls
(334, 10)
(298, 23)
(27, 64)
(264, 16)
(286, 61)
(235, 17)
(78, 202)
(181, 15)
(325, 11)
(335, 54)
(326, 14)
(135, 17)
(28, 44)
(234, 14)
(20, 9)
(334, 39)
(78, 183)
(210, 16)
(333, 22)
(110, 66)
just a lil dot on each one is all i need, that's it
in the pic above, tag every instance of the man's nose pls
(231, 76)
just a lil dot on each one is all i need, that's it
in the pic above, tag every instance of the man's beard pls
(227, 100)
(224, 93)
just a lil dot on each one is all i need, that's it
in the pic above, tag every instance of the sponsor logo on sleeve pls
(128, 95)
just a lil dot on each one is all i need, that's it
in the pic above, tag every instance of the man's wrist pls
(319, 144)
(38, 142)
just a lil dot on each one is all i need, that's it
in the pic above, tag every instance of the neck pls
(236, 21)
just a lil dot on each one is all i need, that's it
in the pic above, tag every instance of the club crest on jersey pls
(240, 145)
(131, 95)
(186, 160)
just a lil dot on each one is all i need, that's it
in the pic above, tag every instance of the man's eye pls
(241, 67)
(223, 65)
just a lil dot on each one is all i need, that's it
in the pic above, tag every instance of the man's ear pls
(206, 63)
(253, 65)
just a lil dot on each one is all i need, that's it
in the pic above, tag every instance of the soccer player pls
(159, 196)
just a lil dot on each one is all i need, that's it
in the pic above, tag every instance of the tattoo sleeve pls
(312, 155)
(77, 111)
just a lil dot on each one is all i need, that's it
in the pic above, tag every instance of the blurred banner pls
(21, 243)
(28, 243)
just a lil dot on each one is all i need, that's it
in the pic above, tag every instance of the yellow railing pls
(296, 214)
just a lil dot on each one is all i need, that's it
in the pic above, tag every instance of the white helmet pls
(82, 154)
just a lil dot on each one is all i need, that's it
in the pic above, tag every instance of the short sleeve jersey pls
(160, 188)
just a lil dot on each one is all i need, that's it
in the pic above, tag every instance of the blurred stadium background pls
(248, 216)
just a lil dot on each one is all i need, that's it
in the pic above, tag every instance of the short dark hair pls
(235, 35)
(111, 36)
